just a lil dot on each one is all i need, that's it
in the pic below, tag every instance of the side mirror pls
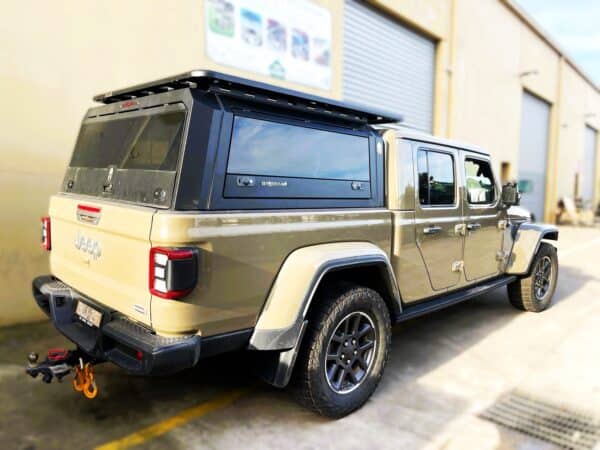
(511, 195)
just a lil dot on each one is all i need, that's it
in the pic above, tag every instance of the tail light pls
(173, 271)
(46, 235)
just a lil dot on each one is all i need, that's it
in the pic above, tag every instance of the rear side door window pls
(437, 183)
(479, 181)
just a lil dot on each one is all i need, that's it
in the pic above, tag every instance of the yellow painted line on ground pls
(160, 428)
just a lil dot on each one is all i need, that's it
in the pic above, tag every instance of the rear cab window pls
(437, 184)
(128, 156)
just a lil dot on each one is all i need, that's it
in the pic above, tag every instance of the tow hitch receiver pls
(59, 362)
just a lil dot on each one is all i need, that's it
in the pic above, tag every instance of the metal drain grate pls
(548, 422)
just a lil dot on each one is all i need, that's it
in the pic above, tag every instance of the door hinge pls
(460, 229)
(458, 266)
(502, 224)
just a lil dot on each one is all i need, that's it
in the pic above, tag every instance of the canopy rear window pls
(128, 156)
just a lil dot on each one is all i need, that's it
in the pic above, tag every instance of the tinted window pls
(260, 147)
(149, 142)
(436, 178)
(480, 182)
(158, 144)
(129, 156)
(423, 177)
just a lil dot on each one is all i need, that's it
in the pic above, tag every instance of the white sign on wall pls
(285, 39)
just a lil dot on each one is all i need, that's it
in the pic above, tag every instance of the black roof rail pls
(254, 91)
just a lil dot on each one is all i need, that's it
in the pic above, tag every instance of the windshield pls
(130, 157)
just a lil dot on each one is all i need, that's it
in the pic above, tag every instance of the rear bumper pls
(118, 339)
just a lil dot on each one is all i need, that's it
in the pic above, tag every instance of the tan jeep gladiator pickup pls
(205, 213)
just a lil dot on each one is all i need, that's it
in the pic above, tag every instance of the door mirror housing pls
(511, 195)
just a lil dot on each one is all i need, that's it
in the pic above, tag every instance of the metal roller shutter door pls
(387, 66)
(533, 153)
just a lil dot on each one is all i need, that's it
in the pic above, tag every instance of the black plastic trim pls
(444, 301)
(226, 342)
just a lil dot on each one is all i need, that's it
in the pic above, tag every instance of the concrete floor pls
(443, 371)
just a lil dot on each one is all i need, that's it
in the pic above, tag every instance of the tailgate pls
(102, 249)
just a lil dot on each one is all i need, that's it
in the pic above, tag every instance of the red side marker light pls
(46, 242)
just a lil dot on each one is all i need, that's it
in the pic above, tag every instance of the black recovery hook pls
(59, 362)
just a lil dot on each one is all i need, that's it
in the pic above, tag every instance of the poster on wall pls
(284, 39)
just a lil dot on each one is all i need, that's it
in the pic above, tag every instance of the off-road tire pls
(522, 292)
(310, 383)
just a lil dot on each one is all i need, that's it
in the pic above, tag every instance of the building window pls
(436, 178)
(479, 181)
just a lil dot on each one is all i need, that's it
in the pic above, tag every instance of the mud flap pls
(276, 367)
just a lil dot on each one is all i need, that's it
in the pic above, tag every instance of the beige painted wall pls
(57, 55)
(431, 17)
(486, 85)
(580, 105)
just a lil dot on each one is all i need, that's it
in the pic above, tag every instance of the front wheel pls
(344, 351)
(534, 292)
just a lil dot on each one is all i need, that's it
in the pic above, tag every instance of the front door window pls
(479, 182)
(484, 235)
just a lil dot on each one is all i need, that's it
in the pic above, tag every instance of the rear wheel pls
(534, 292)
(344, 351)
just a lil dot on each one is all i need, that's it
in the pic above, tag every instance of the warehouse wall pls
(431, 17)
(485, 79)
(487, 57)
(579, 102)
(495, 63)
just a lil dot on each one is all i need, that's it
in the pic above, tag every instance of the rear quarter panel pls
(241, 254)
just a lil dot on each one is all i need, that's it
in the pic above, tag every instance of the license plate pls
(88, 315)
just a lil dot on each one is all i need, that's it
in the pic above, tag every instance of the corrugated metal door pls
(387, 66)
(533, 153)
(589, 167)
